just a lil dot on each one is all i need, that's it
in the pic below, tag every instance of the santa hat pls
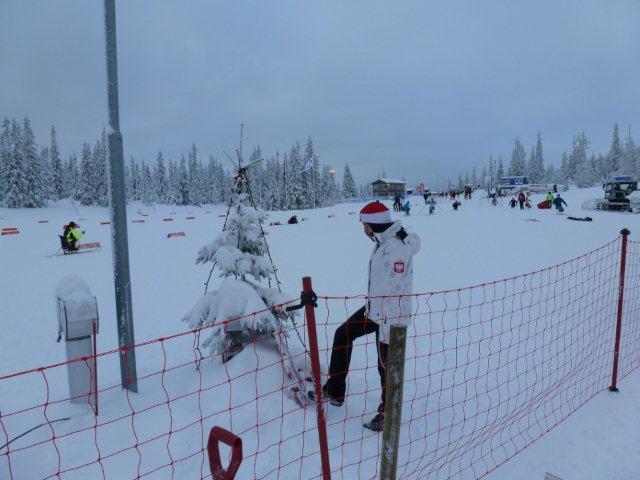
(376, 213)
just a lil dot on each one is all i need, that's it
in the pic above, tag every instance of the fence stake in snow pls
(393, 402)
(309, 300)
(117, 201)
(616, 350)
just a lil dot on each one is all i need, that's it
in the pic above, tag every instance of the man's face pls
(367, 230)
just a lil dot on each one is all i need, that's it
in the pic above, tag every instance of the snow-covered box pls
(77, 309)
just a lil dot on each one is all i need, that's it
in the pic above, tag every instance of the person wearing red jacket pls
(521, 199)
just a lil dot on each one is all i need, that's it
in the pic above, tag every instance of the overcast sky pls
(420, 88)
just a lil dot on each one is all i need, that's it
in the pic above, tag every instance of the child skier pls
(432, 205)
(390, 275)
(558, 201)
(70, 237)
(406, 208)
(550, 198)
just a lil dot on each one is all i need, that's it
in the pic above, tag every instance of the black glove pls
(59, 337)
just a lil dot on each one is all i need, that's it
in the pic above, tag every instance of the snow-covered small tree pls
(239, 252)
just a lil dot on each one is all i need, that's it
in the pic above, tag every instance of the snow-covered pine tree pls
(474, 177)
(239, 252)
(518, 159)
(330, 187)
(160, 179)
(35, 195)
(148, 191)
(47, 172)
(550, 175)
(5, 154)
(309, 175)
(99, 159)
(134, 175)
(578, 160)
(538, 164)
(628, 161)
(87, 188)
(58, 187)
(531, 165)
(193, 175)
(348, 184)
(173, 184)
(500, 170)
(16, 183)
(295, 192)
(273, 184)
(183, 182)
(71, 178)
(615, 153)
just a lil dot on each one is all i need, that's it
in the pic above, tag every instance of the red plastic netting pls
(489, 369)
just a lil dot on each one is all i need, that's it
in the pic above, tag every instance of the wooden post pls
(393, 402)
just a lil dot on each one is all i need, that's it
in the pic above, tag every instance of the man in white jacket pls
(389, 301)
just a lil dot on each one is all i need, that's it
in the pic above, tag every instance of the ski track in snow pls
(476, 244)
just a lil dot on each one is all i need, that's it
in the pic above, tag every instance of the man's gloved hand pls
(59, 337)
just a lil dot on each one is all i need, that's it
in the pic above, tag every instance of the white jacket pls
(391, 275)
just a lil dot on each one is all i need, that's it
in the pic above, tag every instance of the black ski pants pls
(356, 326)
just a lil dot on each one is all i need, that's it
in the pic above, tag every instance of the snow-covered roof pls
(389, 180)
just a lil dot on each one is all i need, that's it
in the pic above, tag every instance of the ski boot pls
(376, 424)
(335, 401)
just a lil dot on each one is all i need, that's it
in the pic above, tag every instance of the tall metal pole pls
(118, 204)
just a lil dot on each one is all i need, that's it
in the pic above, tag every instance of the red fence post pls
(616, 351)
(95, 367)
(317, 380)
(216, 435)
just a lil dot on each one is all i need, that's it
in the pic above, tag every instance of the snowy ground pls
(478, 243)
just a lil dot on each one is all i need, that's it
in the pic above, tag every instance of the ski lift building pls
(386, 187)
